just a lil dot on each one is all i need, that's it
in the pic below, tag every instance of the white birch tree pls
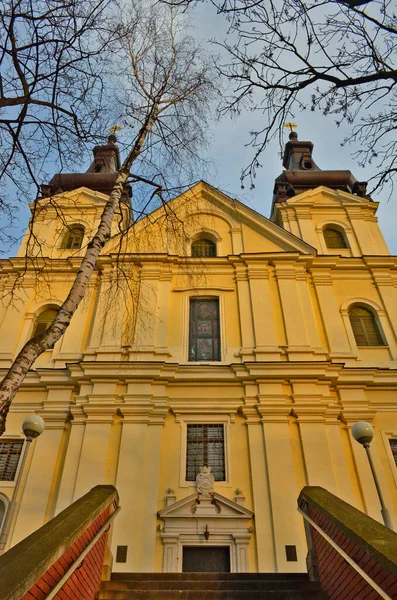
(165, 89)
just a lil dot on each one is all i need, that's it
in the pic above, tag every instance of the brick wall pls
(337, 577)
(84, 582)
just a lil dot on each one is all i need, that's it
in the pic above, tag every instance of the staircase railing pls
(352, 555)
(66, 558)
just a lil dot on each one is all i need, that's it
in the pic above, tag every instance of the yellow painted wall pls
(117, 390)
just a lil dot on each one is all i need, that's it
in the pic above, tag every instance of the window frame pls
(68, 234)
(382, 319)
(345, 230)
(341, 233)
(184, 421)
(387, 436)
(6, 502)
(376, 321)
(37, 317)
(192, 299)
(203, 240)
(17, 437)
(205, 444)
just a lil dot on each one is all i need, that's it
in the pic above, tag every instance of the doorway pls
(206, 559)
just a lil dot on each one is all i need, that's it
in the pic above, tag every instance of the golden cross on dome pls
(115, 128)
(290, 126)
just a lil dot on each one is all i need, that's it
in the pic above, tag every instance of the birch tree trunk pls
(36, 346)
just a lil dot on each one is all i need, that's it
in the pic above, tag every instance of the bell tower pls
(329, 209)
(68, 212)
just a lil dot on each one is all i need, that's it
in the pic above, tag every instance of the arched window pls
(334, 238)
(44, 320)
(3, 510)
(204, 248)
(73, 238)
(365, 327)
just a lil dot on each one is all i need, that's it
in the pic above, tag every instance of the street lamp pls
(32, 427)
(363, 433)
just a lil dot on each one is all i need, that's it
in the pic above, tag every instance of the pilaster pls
(147, 316)
(91, 470)
(298, 345)
(137, 482)
(265, 538)
(275, 422)
(162, 315)
(266, 347)
(40, 475)
(332, 319)
(72, 459)
(245, 313)
(386, 283)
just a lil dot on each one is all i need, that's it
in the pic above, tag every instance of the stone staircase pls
(210, 586)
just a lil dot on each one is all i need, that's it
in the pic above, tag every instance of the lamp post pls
(32, 427)
(363, 433)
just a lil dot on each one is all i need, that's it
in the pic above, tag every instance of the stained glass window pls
(365, 327)
(10, 452)
(73, 238)
(205, 448)
(204, 336)
(203, 248)
(393, 446)
(334, 238)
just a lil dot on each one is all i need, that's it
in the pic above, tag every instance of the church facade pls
(215, 367)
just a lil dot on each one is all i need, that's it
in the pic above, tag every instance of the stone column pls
(245, 312)
(266, 347)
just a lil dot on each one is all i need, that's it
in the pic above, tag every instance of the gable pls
(204, 210)
(221, 507)
(326, 196)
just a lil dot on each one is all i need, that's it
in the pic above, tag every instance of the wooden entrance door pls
(206, 559)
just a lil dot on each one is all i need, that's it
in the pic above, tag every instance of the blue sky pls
(228, 150)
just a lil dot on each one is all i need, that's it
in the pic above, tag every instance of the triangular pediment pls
(223, 508)
(326, 196)
(78, 198)
(203, 208)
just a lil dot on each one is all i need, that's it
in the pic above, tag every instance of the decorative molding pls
(221, 522)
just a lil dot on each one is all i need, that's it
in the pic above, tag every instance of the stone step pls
(210, 595)
(210, 576)
(210, 584)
